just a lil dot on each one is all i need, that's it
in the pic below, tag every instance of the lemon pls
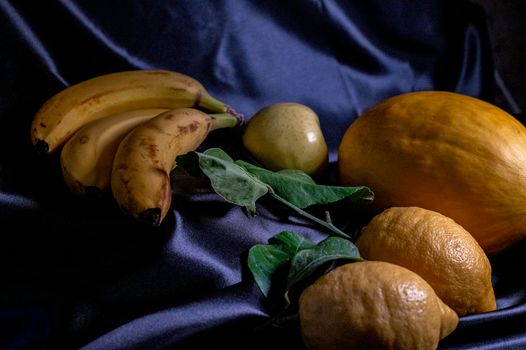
(438, 249)
(373, 305)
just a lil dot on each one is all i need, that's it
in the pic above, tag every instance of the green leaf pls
(299, 188)
(306, 261)
(219, 154)
(263, 261)
(229, 180)
(291, 242)
(302, 256)
(243, 184)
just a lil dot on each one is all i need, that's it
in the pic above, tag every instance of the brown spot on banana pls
(148, 145)
(94, 99)
(197, 100)
(188, 129)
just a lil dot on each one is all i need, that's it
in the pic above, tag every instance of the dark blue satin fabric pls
(77, 274)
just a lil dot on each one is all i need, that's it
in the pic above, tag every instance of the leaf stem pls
(333, 229)
(328, 217)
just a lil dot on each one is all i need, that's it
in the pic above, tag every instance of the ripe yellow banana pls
(87, 157)
(95, 98)
(140, 180)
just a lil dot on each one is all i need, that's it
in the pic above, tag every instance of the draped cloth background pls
(76, 274)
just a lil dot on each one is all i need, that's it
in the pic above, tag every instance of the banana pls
(108, 94)
(87, 157)
(140, 180)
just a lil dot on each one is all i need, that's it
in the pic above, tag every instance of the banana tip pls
(41, 147)
(151, 216)
(92, 193)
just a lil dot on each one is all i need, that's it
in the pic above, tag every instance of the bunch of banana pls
(124, 130)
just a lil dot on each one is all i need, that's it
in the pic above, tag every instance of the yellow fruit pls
(373, 305)
(446, 152)
(287, 136)
(438, 250)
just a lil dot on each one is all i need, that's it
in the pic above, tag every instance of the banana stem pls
(223, 120)
(239, 116)
(215, 105)
(329, 226)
